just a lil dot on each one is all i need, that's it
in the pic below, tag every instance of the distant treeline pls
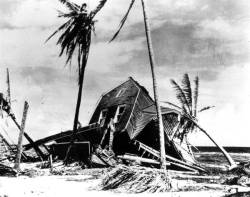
(231, 149)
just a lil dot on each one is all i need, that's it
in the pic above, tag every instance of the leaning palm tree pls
(75, 38)
(152, 65)
(188, 100)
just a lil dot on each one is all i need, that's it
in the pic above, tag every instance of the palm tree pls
(152, 65)
(188, 100)
(188, 120)
(75, 38)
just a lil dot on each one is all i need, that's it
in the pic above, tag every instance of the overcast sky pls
(200, 37)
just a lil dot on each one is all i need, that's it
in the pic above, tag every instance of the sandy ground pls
(87, 184)
(77, 185)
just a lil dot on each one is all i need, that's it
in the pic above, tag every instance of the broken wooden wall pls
(110, 101)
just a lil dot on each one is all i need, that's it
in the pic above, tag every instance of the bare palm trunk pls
(82, 23)
(20, 138)
(225, 153)
(155, 88)
(78, 104)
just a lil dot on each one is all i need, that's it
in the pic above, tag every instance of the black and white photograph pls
(124, 97)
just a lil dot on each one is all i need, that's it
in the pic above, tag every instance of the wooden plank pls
(61, 135)
(138, 159)
(169, 158)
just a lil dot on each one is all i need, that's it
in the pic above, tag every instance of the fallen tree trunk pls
(224, 152)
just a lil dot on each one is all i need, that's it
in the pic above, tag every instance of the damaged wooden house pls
(124, 127)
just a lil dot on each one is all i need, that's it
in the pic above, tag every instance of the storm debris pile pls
(136, 179)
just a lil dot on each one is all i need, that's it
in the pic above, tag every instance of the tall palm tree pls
(75, 38)
(152, 65)
(188, 120)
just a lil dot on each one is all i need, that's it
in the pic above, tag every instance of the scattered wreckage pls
(122, 129)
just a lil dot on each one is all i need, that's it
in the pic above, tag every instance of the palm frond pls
(98, 8)
(123, 20)
(70, 15)
(180, 96)
(195, 94)
(184, 110)
(186, 88)
(71, 6)
(65, 25)
(206, 108)
(172, 104)
(75, 34)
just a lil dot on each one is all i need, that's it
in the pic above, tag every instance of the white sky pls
(199, 37)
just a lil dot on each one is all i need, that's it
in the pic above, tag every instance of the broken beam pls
(139, 159)
(36, 148)
(173, 160)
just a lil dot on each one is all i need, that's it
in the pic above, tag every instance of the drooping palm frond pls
(186, 88)
(123, 20)
(195, 95)
(98, 8)
(206, 108)
(172, 104)
(75, 34)
(181, 96)
(79, 32)
(63, 26)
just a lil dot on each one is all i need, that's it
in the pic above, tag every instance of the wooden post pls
(51, 163)
(103, 137)
(111, 136)
(20, 138)
(36, 148)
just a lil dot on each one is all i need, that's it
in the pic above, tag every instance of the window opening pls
(102, 116)
(119, 112)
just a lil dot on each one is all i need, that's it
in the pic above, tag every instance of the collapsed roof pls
(132, 111)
